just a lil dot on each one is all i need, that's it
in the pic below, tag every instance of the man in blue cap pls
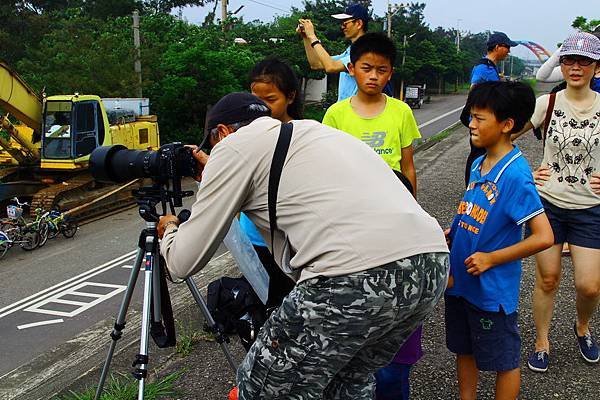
(498, 48)
(353, 23)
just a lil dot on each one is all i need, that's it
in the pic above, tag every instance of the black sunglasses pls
(571, 60)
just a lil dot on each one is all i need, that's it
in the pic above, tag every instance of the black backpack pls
(236, 308)
(232, 302)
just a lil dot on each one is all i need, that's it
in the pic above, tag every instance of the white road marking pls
(76, 291)
(26, 302)
(431, 121)
(41, 323)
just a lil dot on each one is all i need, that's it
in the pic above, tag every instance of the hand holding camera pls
(306, 29)
(201, 159)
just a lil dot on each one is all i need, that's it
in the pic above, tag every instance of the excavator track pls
(48, 198)
(79, 192)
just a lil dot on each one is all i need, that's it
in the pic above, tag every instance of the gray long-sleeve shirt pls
(340, 208)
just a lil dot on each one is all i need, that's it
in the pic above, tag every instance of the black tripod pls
(148, 257)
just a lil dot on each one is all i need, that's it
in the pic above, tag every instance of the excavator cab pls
(72, 129)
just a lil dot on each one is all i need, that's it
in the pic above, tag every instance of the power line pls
(268, 5)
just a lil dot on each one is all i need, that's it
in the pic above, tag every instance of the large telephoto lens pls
(119, 164)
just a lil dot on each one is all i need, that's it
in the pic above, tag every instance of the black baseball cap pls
(355, 11)
(497, 38)
(233, 108)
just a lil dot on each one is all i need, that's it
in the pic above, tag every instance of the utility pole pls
(457, 49)
(458, 35)
(404, 44)
(223, 12)
(389, 19)
(391, 11)
(136, 44)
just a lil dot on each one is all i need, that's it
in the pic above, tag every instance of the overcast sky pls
(546, 22)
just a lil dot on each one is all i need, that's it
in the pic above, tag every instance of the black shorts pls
(577, 227)
(491, 337)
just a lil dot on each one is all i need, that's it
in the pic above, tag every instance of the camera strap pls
(162, 329)
(281, 150)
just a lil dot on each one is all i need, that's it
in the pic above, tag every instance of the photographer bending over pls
(370, 263)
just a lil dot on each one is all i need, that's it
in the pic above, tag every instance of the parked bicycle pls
(59, 223)
(17, 230)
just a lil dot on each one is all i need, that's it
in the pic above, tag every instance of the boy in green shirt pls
(388, 126)
(384, 123)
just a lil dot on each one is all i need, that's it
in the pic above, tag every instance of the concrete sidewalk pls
(206, 375)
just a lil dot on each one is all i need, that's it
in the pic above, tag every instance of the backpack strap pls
(281, 150)
(549, 111)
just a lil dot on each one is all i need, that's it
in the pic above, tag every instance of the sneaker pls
(538, 361)
(587, 346)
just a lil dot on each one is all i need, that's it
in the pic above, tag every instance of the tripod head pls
(148, 197)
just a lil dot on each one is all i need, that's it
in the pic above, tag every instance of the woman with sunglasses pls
(568, 182)
(550, 71)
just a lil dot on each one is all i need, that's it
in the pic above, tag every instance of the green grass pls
(440, 136)
(124, 387)
(187, 336)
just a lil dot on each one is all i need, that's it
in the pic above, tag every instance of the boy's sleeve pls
(409, 130)
(524, 200)
(329, 118)
(539, 115)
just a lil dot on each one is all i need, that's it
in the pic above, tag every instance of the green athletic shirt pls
(387, 133)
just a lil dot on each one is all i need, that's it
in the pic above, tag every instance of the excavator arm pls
(19, 100)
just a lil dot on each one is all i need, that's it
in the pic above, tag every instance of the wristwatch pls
(316, 42)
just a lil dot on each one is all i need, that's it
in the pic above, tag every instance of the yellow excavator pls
(46, 141)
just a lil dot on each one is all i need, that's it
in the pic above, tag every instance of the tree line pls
(86, 46)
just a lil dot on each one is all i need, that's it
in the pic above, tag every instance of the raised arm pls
(317, 56)
(550, 70)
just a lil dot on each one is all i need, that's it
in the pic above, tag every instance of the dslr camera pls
(117, 163)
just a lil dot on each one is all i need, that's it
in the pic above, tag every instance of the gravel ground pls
(440, 176)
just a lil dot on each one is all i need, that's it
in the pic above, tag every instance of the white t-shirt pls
(571, 151)
(340, 208)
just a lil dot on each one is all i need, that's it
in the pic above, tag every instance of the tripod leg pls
(220, 337)
(120, 322)
(141, 360)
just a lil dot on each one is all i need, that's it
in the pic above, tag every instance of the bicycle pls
(14, 235)
(58, 223)
(16, 229)
(41, 225)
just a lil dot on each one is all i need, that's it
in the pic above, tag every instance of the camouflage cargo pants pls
(331, 334)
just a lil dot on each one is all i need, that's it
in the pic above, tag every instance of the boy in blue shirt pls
(486, 245)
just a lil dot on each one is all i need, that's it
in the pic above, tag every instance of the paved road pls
(441, 113)
(55, 292)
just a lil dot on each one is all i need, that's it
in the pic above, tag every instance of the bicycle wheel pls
(30, 241)
(42, 230)
(4, 244)
(53, 231)
(69, 229)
